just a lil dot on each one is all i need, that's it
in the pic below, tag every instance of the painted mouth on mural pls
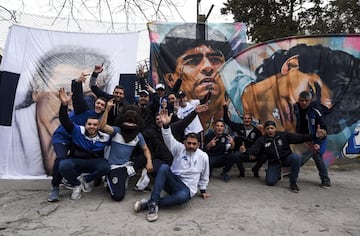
(207, 80)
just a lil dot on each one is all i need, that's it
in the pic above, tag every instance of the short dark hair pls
(92, 118)
(119, 87)
(305, 95)
(101, 98)
(175, 44)
(219, 121)
(192, 135)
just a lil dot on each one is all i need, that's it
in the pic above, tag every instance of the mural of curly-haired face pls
(47, 107)
(199, 70)
(276, 95)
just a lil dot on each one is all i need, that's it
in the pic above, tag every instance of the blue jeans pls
(274, 170)
(224, 160)
(61, 151)
(71, 168)
(178, 192)
(320, 165)
(319, 161)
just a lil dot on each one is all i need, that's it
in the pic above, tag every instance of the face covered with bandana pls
(130, 122)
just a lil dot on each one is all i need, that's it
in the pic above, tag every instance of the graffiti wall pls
(194, 53)
(266, 80)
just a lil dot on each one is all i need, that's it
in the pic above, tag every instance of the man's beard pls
(129, 132)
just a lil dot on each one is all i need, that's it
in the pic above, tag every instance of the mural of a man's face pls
(275, 102)
(47, 106)
(200, 66)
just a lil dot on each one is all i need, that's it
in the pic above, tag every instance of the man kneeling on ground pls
(275, 145)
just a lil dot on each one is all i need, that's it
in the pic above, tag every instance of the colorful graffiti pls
(266, 80)
(194, 53)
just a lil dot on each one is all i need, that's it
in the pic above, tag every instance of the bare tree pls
(8, 15)
(111, 11)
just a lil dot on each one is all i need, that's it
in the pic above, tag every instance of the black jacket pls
(276, 149)
(154, 139)
(240, 131)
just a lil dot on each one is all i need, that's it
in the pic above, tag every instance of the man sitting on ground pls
(189, 170)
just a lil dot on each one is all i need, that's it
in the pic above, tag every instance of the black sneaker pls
(325, 184)
(64, 183)
(256, 172)
(98, 181)
(152, 214)
(225, 177)
(241, 174)
(294, 188)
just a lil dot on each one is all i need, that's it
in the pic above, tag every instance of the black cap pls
(181, 94)
(268, 123)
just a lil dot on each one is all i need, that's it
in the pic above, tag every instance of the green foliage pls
(271, 19)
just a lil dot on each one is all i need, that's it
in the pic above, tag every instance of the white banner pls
(45, 61)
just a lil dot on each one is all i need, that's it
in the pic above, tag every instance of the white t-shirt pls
(195, 126)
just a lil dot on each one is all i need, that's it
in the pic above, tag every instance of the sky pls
(185, 11)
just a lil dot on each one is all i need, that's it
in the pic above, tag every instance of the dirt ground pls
(243, 206)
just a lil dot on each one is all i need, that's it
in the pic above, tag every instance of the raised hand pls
(201, 108)
(320, 133)
(82, 78)
(98, 68)
(150, 89)
(140, 71)
(213, 141)
(110, 104)
(64, 97)
(165, 117)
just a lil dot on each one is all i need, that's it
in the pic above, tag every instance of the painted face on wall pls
(276, 95)
(47, 107)
(199, 67)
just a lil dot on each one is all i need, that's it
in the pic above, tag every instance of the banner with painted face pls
(194, 53)
(266, 80)
(36, 63)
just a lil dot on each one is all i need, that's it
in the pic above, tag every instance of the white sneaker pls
(140, 205)
(84, 185)
(76, 194)
(152, 214)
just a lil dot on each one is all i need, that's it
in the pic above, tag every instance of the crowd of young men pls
(162, 133)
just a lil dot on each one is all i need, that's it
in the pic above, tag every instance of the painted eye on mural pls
(193, 60)
(216, 59)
